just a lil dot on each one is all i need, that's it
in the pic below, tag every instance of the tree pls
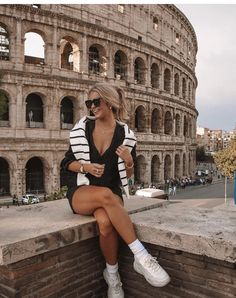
(3, 100)
(226, 159)
(200, 154)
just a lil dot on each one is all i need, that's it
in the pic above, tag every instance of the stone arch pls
(156, 121)
(70, 54)
(4, 112)
(184, 88)
(97, 59)
(177, 124)
(120, 65)
(37, 38)
(34, 175)
(139, 71)
(155, 75)
(4, 177)
(190, 92)
(176, 84)
(140, 119)
(185, 128)
(168, 123)
(167, 80)
(177, 166)
(140, 169)
(4, 43)
(167, 167)
(155, 169)
(66, 113)
(34, 110)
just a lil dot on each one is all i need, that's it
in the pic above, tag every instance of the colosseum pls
(149, 50)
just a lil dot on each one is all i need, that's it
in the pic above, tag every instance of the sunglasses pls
(96, 102)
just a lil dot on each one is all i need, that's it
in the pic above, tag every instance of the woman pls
(100, 159)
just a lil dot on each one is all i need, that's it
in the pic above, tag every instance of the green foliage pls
(200, 154)
(57, 195)
(226, 159)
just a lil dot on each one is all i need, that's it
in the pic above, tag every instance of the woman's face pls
(97, 105)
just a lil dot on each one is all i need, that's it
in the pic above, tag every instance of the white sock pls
(138, 249)
(112, 269)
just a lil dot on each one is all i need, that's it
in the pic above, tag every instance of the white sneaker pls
(114, 285)
(152, 271)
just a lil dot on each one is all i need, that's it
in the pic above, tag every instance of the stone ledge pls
(52, 225)
(27, 231)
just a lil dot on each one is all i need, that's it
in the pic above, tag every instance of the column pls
(19, 44)
(84, 55)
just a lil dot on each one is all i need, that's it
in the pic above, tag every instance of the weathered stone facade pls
(149, 50)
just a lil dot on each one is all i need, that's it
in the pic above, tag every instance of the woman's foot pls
(151, 270)
(114, 285)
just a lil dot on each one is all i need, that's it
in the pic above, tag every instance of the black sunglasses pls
(96, 102)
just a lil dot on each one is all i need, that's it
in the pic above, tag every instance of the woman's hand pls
(94, 169)
(123, 152)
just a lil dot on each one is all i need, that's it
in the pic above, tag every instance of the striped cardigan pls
(80, 148)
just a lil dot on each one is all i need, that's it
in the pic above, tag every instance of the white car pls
(29, 199)
(152, 193)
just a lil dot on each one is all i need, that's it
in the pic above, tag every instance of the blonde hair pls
(115, 97)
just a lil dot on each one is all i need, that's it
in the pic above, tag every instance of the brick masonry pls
(192, 276)
(76, 271)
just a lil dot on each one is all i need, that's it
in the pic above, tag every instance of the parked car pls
(29, 199)
(152, 193)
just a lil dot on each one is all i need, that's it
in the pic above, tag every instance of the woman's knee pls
(107, 196)
(104, 224)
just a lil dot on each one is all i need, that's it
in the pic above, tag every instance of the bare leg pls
(88, 198)
(108, 237)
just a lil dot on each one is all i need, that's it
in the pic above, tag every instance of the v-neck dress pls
(109, 158)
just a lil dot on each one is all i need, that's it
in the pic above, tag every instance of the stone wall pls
(76, 271)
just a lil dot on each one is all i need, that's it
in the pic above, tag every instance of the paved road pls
(212, 191)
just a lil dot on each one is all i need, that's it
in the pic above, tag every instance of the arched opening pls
(189, 92)
(189, 163)
(177, 166)
(176, 84)
(156, 121)
(167, 167)
(4, 177)
(120, 65)
(155, 169)
(139, 71)
(34, 176)
(184, 88)
(34, 111)
(70, 54)
(66, 113)
(97, 60)
(34, 48)
(168, 123)
(4, 44)
(155, 74)
(185, 127)
(140, 119)
(167, 80)
(140, 169)
(184, 165)
(177, 125)
(4, 109)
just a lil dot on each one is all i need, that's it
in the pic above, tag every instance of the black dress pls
(110, 178)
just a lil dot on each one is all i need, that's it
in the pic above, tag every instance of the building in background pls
(149, 50)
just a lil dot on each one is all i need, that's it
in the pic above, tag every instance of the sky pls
(215, 26)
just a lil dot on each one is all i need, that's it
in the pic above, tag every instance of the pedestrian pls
(100, 158)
